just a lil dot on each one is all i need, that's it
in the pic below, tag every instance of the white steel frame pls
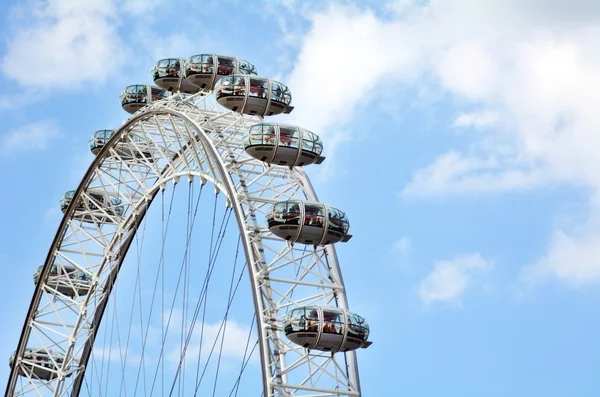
(189, 137)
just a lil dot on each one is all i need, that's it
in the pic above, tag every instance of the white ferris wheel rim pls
(187, 150)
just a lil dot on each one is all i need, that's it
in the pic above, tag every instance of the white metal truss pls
(184, 137)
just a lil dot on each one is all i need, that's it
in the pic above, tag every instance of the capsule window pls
(276, 92)
(258, 88)
(338, 221)
(287, 212)
(288, 136)
(357, 327)
(333, 322)
(226, 65)
(239, 85)
(313, 215)
(268, 134)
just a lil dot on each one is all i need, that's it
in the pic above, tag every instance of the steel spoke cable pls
(237, 251)
(236, 386)
(203, 293)
(185, 277)
(181, 272)
(245, 360)
(139, 258)
(94, 363)
(112, 328)
(145, 338)
(135, 288)
(221, 328)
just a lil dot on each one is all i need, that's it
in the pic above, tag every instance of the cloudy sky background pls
(461, 138)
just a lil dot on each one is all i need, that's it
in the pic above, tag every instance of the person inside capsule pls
(226, 65)
(207, 64)
(313, 215)
(258, 88)
(312, 323)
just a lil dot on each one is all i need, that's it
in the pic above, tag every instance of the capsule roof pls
(204, 70)
(308, 222)
(136, 96)
(168, 74)
(253, 95)
(94, 209)
(326, 328)
(128, 147)
(39, 363)
(66, 279)
(283, 144)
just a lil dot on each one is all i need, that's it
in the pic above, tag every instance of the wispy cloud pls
(574, 260)
(30, 137)
(61, 44)
(235, 336)
(450, 279)
(402, 246)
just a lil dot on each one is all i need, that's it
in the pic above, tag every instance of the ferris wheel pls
(202, 125)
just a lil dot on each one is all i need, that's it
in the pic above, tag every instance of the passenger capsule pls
(253, 95)
(39, 363)
(135, 97)
(308, 223)
(283, 144)
(168, 74)
(66, 279)
(97, 206)
(205, 70)
(326, 328)
(129, 146)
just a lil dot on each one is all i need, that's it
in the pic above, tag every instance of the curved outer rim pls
(251, 254)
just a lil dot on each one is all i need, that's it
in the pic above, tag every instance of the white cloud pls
(338, 67)
(118, 354)
(455, 173)
(62, 43)
(142, 7)
(572, 259)
(402, 246)
(450, 278)
(30, 137)
(537, 80)
(234, 345)
(477, 119)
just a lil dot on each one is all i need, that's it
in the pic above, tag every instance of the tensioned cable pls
(221, 328)
(236, 385)
(204, 286)
(135, 288)
(145, 338)
(164, 334)
(337, 305)
(139, 257)
(227, 313)
(182, 356)
(186, 276)
(203, 293)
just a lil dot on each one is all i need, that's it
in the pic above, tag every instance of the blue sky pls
(461, 138)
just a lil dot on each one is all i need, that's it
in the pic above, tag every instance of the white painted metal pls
(190, 136)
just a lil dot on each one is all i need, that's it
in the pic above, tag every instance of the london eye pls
(197, 142)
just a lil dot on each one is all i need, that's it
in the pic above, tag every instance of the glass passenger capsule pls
(128, 147)
(253, 95)
(168, 74)
(326, 328)
(66, 279)
(308, 223)
(283, 144)
(135, 97)
(39, 363)
(97, 206)
(204, 70)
